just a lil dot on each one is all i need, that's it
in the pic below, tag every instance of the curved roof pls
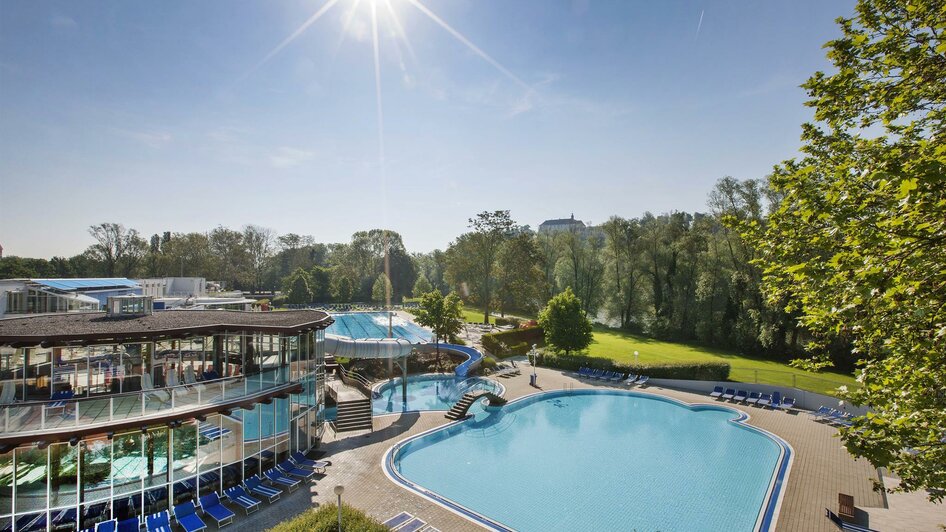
(95, 327)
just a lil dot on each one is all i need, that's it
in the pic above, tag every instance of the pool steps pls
(460, 409)
(353, 415)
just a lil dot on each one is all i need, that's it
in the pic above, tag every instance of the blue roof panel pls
(86, 284)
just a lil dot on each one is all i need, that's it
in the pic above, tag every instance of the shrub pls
(508, 321)
(699, 371)
(566, 326)
(325, 519)
(516, 341)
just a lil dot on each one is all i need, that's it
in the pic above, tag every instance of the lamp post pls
(339, 489)
(535, 357)
(635, 357)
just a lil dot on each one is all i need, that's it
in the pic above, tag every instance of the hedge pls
(700, 371)
(517, 341)
(325, 519)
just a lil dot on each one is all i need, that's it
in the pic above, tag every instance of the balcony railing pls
(85, 412)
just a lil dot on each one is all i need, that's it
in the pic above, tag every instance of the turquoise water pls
(598, 461)
(427, 392)
(375, 325)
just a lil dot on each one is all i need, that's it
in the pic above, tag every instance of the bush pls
(325, 519)
(698, 371)
(516, 341)
(508, 321)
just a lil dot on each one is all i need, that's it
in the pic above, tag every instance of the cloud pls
(62, 21)
(152, 139)
(288, 157)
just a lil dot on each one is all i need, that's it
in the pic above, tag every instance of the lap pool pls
(427, 392)
(599, 460)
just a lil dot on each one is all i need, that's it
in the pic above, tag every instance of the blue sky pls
(164, 116)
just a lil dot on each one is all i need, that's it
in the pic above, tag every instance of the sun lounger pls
(398, 520)
(844, 525)
(617, 377)
(821, 412)
(764, 400)
(729, 394)
(212, 506)
(753, 398)
(776, 399)
(413, 525)
(8, 394)
(132, 524)
(237, 495)
(148, 389)
(289, 468)
(787, 404)
(186, 516)
(159, 522)
(107, 526)
(717, 391)
(630, 379)
(256, 487)
(741, 396)
(301, 460)
(642, 380)
(276, 477)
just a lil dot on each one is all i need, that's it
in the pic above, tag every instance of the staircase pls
(459, 410)
(353, 415)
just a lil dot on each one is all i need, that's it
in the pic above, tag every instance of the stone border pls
(768, 514)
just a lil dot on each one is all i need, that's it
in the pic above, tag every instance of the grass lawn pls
(620, 346)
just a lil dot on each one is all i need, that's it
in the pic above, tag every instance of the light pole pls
(339, 489)
(635, 357)
(535, 357)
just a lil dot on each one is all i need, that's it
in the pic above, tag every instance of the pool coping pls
(502, 391)
(765, 521)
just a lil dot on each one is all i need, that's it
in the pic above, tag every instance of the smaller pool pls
(428, 392)
(375, 325)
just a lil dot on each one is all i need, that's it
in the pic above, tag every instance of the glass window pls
(6, 483)
(156, 452)
(185, 451)
(128, 463)
(30, 479)
(96, 457)
(63, 474)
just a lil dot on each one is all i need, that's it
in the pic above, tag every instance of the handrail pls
(358, 381)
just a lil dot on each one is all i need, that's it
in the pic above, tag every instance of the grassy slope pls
(620, 346)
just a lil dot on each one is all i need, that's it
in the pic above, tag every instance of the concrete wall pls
(803, 399)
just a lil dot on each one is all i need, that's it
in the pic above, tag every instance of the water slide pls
(341, 346)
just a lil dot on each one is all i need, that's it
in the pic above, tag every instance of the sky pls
(182, 116)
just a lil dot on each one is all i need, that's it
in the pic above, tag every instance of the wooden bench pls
(846, 505)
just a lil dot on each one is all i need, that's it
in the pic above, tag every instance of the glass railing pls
(85, 411)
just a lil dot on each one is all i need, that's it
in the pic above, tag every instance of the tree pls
(342, 289)
(857, 244)
(422, 286)
(471, 259)
(442, 315)
(519, 278)
(258, 242)
(381, 290)
(566, 326)
(321, 283)
(298, 287)
(117, 249)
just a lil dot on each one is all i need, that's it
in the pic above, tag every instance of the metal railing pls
(352, 378)
(85, 411)
(821, 383)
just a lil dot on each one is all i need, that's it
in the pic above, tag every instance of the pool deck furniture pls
(844, 525)
(256, 487)
(300, 459)
(787, 404)
(846, 505)
(413, 525)
(741, 396)
(753, 398)
(132, 524)
(212, 506)
(398, 520)
(764, 400)
(278, 478)
(776, 400)
(631, 377)
(729, 394)
(822, 411)
(717, 391)
(158, 522)
(107, 526)
(237, 495)
(289, 468)
(642, 380)
(186, 516)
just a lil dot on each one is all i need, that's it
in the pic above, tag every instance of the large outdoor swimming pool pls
(427, 392)
(599, 460)
(375, 325)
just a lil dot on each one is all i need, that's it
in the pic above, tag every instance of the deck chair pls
(276, 477)
(301, 460)
(741, 396)
(398, 520)
(107, 526)
(237, 495)
(8, 393)
(753, 398)
(159, 522)
(256, 487)
(147, 387)
(212, 506)
(186, 516)
(730, 393)
(717, 391)
(132, 524)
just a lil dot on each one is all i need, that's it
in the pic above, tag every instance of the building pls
(562, 224)
(125, 412)
(38, 296)
(190, 293)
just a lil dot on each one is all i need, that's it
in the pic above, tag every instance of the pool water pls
(375, 325)
(427, 392)
(598, 460)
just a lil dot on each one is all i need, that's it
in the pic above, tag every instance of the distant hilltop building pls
(562, 224)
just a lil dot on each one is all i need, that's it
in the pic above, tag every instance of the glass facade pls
(65, 485)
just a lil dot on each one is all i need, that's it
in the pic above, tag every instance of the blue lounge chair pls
(237, 495)
(764, 400)
(186, 516)
(617, 377)
(256, 487)
(753, 398)
(844, 525)
(741, 396)
(64, 518)
(289, 468)
(787, 404)
(301, 460)
(132, 524)
(212, 506)
(413, 525)
(821, 412)
(107, 526)
(159, 522)
(276, 477)
(397, 520)
(776, 399)
(729, 393)
(717, 391)
(642, 380)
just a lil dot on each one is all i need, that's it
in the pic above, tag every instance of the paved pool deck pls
(821, 469)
